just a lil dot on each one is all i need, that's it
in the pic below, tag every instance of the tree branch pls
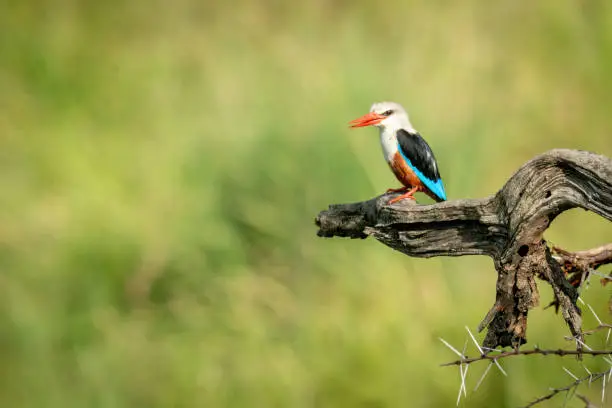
(554, 391)
(577, 266)
(517, 352)
(508, 227)
(592, 258)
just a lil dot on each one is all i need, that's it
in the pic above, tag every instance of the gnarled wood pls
(584, 260)
(508, 227)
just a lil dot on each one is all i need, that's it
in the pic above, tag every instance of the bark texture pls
(508, 227)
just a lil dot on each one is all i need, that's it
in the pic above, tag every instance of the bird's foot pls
(402, 197)
(408, 195)
(397, 190)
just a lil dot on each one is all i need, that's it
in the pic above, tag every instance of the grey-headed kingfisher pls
(406, 152)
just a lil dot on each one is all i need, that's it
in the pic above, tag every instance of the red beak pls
(368, 119)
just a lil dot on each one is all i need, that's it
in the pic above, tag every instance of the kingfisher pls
(407, 153)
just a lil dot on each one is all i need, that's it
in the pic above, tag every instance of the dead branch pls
(577, 266)
(508, 227)
(592, 258)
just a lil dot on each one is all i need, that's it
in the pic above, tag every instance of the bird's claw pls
(402, 197)
(408, 195)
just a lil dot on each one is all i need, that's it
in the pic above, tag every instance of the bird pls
(407, 153)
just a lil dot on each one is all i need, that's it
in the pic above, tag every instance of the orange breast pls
(403, 172)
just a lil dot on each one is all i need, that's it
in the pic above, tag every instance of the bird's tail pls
(434, 197)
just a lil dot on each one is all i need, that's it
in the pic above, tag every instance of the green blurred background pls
(162, 163)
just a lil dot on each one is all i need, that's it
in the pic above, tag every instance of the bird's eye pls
(387, 113)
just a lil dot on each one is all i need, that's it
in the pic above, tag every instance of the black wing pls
(416, 149)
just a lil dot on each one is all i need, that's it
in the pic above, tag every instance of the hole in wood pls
(523, 250)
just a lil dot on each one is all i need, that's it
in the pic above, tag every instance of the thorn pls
(459, 396)
(601, 275)
(588, 281)
(603, 389)
(500, 368)
(595, 314)
(463, 373)
(474, 340)
(462, 386)
(454, 350)
(483, 376)
(583, 343)
(570, 373)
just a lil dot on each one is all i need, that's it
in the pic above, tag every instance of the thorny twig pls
(554, 391)
(515, 352)
(493, 357)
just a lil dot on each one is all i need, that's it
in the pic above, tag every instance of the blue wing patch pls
(435, 187)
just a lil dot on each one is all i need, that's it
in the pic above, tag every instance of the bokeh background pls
(162, 163)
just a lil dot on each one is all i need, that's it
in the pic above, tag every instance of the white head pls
(385, 115)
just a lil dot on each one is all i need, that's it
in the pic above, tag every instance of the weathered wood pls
(508, 227)
(589, 259)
